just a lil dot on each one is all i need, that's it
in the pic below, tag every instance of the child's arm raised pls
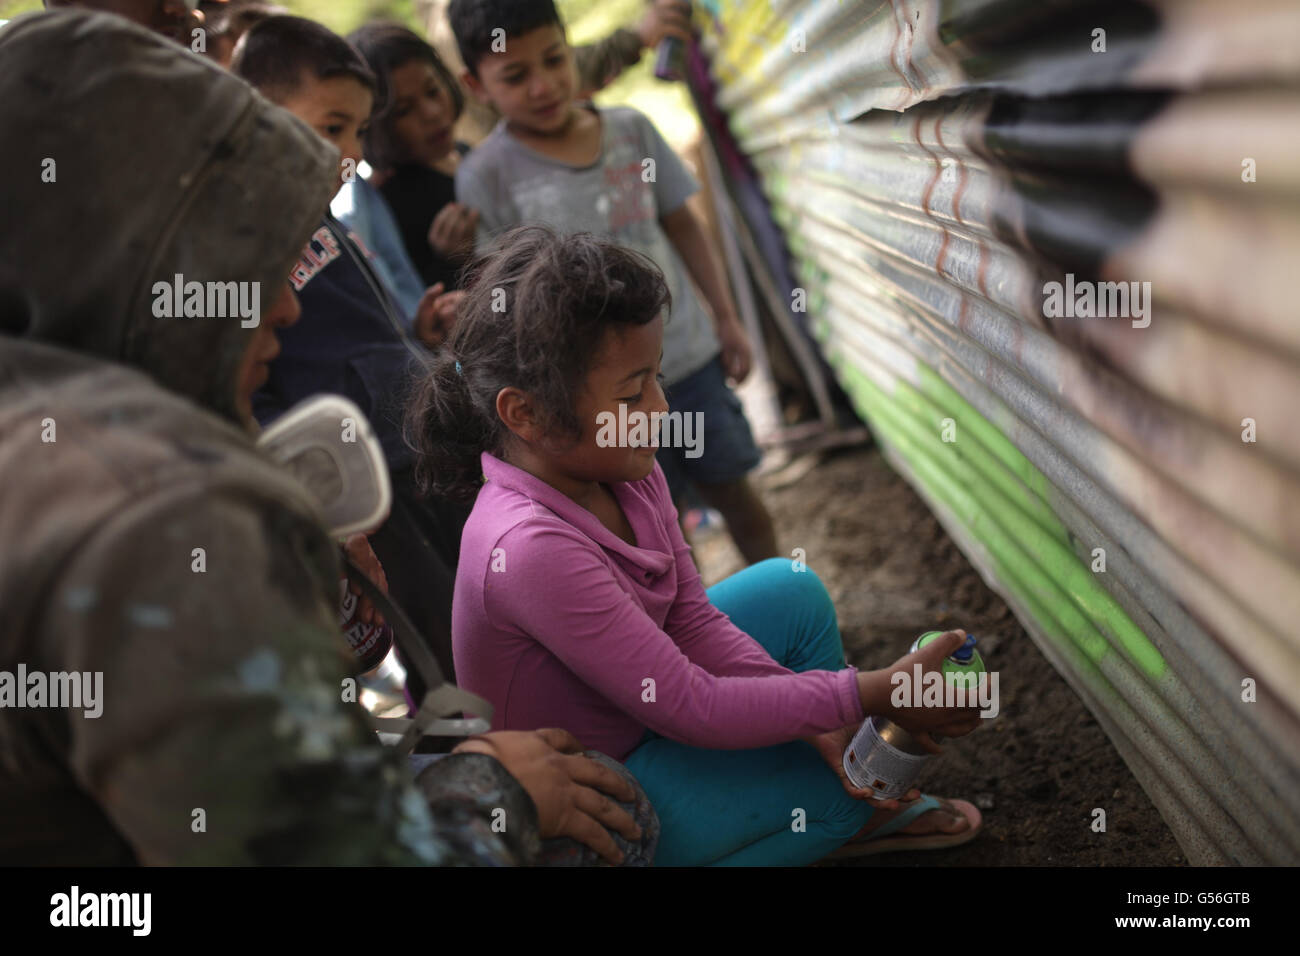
(599, 64)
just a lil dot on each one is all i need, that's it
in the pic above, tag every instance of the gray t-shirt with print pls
(511, 185)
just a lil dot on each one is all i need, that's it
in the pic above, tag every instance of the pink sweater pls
(560, 623)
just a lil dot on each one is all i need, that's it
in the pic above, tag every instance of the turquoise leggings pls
(739, 807)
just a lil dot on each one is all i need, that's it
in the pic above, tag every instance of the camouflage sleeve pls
(599, 64)
(227, 732)
(479, 802)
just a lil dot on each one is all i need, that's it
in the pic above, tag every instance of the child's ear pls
(475, 86)
(515, 409)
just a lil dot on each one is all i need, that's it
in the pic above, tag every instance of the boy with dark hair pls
(555, 160)
(416, 225)
(482, 27)
(352, 339)
(276, 55)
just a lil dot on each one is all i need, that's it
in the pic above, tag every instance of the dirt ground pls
(1044, 763)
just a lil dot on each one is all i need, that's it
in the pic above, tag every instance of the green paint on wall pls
(1030, 559)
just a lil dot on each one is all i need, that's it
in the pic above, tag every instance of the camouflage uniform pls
(223, 736)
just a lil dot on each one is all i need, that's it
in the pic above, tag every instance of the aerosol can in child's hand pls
(884, 756)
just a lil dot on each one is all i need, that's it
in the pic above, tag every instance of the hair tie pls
(458, 367)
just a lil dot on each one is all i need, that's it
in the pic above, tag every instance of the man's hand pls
(831, 746)
(451, 234)
(665, 18)
(737, 354)
(363, 556)
(436, 314)
(565, 785)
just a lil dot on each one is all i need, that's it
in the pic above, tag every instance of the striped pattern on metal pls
(935, 167)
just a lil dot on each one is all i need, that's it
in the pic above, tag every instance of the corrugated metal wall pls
(933, 166)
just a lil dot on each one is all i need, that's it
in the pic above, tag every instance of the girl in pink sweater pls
(577, 604)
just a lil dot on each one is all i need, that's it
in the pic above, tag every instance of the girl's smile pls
(625, 373)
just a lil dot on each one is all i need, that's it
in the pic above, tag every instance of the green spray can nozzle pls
(964, 660)
(963, 654)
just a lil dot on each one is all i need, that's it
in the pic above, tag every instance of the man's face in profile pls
(172, 18)
(262, 348)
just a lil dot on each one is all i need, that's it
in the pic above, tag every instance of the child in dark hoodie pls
(352, 339)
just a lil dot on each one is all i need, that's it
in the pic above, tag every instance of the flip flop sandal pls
(881, 841)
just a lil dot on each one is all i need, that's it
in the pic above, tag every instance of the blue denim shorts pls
(727, 452)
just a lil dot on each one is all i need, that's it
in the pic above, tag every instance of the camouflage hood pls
(128, 161)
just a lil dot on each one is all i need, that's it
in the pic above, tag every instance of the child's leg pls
(748, 520)
(772, 806)
(788, 611)
(723, 455)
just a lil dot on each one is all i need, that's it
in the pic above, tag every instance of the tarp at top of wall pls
(1050, 250)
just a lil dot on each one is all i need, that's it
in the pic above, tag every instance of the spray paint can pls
(670, 59)
(884, 756)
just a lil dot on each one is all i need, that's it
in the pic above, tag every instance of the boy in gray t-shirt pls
(576, 168)
(635, 180)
